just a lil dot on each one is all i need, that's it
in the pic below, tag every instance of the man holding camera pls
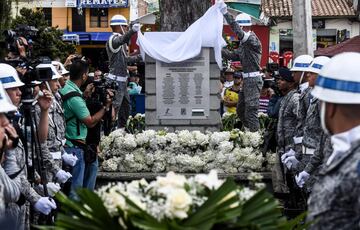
(118, 58)
(78, 120)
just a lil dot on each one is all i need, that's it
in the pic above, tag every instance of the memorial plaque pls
(183, 88)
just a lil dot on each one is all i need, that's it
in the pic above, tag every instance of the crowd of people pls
(45, 124)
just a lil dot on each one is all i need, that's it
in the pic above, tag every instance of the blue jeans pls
(77, 180)
(90, 175)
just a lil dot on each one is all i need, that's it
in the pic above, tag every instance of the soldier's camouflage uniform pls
(9, 191)
(286, 129)
(335, 202)
(309, 127)
(56, 136)
(15, 163)
(287, 121)
(304, 104)
(118, 67)
(249, 54)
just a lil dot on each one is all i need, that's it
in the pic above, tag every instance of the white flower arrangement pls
(172, 197)
(183, 151)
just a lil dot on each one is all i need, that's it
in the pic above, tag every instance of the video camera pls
(101, 87)
(13, 36)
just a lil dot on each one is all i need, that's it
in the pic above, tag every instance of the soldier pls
(286, 124)
(118, 58)
(9, 189)
(288, 111)
(311, 129)
(16, 164)
(298, 70)
(249, 54)
(313, 135)
(55, 136)
(334, 202)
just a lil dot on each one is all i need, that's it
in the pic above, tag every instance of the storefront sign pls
(183, 88)
(70, 3)
(103, 3)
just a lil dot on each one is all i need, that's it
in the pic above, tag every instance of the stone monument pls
(183, 95)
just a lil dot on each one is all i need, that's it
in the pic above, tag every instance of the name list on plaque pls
(183, 88)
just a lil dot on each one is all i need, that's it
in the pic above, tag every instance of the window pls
(99, 17)
(47, 14)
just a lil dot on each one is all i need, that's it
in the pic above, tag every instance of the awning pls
(87, 36)
(251, 9)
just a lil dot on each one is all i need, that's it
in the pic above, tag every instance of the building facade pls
(333, 21)
(84, 22)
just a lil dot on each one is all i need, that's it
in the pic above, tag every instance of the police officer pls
(16, 164)
(249, 54)
(335, 202)
(117, 52)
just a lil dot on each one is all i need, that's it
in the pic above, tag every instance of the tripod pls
(32, 143)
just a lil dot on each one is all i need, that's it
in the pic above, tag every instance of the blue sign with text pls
(102, 3)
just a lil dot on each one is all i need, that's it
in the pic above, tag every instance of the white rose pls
(178, 203)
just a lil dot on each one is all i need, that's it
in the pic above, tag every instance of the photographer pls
(78, 120)
(17, 163)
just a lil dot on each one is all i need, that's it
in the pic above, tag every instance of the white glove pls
(69, 159)
(289, 153)
(291, 162)
(44, 205)
(222, 6)
(63, 176)
(53, 188)
(302, 178)
(136, 27)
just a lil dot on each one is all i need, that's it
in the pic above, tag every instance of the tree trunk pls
(178, 15)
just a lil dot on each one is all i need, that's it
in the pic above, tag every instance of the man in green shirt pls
(78, 120)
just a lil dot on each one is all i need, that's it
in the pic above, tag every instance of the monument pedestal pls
(183, 95)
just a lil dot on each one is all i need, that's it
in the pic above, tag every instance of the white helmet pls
(339, 80)
(9, 77)
(117, 20)
(243, 19)
(59, 67)
(6, 105)
(302, 63)
(317, 64)
(55, 74)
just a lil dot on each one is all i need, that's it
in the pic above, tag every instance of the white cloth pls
(179, 46)
(341, 142)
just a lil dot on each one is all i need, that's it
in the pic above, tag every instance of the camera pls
(12, 37)
(101, 87)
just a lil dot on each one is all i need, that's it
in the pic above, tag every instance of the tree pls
(48, 40)
(5, 18)
(178, 15)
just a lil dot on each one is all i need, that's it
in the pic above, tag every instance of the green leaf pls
(207, 213)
